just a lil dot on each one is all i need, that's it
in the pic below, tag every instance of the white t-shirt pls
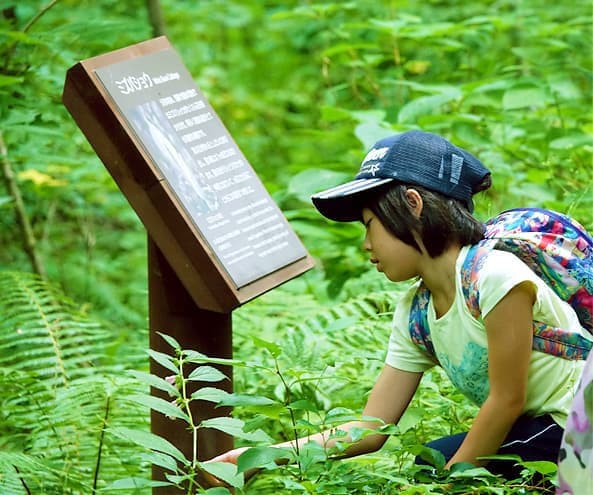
(460, 340)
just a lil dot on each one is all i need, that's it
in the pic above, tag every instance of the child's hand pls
(229, 456)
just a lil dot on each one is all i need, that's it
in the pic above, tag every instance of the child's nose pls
(366, 243)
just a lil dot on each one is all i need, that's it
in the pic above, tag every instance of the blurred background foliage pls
(305, 87)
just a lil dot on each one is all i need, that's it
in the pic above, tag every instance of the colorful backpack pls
(557, 248)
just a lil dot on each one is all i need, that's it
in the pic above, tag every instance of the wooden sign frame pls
(187, 248)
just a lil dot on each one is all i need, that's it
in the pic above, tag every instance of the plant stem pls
(22, 481)
(101, 438)
(292, 417)
(192, 483)
(39, 14)
(21, 213)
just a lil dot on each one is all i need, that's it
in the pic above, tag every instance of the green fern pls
(60, 395)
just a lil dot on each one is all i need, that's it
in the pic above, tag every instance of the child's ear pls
(415, 201)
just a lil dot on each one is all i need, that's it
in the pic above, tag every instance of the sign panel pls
(202, 204)
(206, 170)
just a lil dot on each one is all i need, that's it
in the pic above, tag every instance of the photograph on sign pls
(203, 166)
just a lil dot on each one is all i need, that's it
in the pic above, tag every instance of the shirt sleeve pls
(499, 274)
(402, 353)
(502, 271)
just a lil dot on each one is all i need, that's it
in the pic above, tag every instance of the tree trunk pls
(155, 17)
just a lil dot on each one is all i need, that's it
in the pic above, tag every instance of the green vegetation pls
(304, 87)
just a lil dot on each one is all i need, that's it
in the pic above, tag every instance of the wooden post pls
(172, 311)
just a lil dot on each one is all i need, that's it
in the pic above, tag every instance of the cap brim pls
(344, 203)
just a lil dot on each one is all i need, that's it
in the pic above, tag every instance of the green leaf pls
(135, 482)
(424, 105)
(247, 400)
(5, 200)
(177, 479)
(149, 441)
(159, 459)
(501, 457)
(199, 358)
(262, 457)
(234, 427)
(164, 360)
(224, 471)
(542, 467)
(210, 394)
(432, 456)
(576, 140)
(303, 405)
(274, 349)
(370, 132)
(369, 116)
(411, 418)
(160, 405)
(206, 374)
(334, 114)
(218, 490)
(10, 80)
(340, 415)
(156, 382)
(171, 341)
(307, 182)
(524, 97)
(462, 470)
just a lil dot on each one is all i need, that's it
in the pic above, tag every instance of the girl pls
(413, 194)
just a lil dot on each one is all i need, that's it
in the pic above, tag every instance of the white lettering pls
(377, 154)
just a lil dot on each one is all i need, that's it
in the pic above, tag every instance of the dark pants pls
(533, 439)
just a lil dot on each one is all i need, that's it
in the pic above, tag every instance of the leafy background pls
(304, 87)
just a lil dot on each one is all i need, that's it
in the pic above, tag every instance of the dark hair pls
(443, 221)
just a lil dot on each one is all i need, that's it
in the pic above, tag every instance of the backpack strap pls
(418, 323)
(470, 269)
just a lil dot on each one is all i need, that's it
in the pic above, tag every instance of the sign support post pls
(173, 311)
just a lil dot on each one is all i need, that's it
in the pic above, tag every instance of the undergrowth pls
(75, 421)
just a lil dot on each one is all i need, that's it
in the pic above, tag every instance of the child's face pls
(397, 260)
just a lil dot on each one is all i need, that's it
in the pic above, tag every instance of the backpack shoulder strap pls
(470, 269)
(418, 323)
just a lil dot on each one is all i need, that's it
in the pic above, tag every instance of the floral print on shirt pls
(470, 376)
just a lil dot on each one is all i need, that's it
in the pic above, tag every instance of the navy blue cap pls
(414, 157)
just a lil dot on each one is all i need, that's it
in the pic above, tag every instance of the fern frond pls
(42, 332)
(59, 394)
(15, 467)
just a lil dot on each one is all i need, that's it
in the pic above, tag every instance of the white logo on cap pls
(375, 154)
(373, 168)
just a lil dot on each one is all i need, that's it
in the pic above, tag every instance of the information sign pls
(196, 193)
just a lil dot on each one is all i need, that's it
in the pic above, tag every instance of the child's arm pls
(509, 328)
(388, 400)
